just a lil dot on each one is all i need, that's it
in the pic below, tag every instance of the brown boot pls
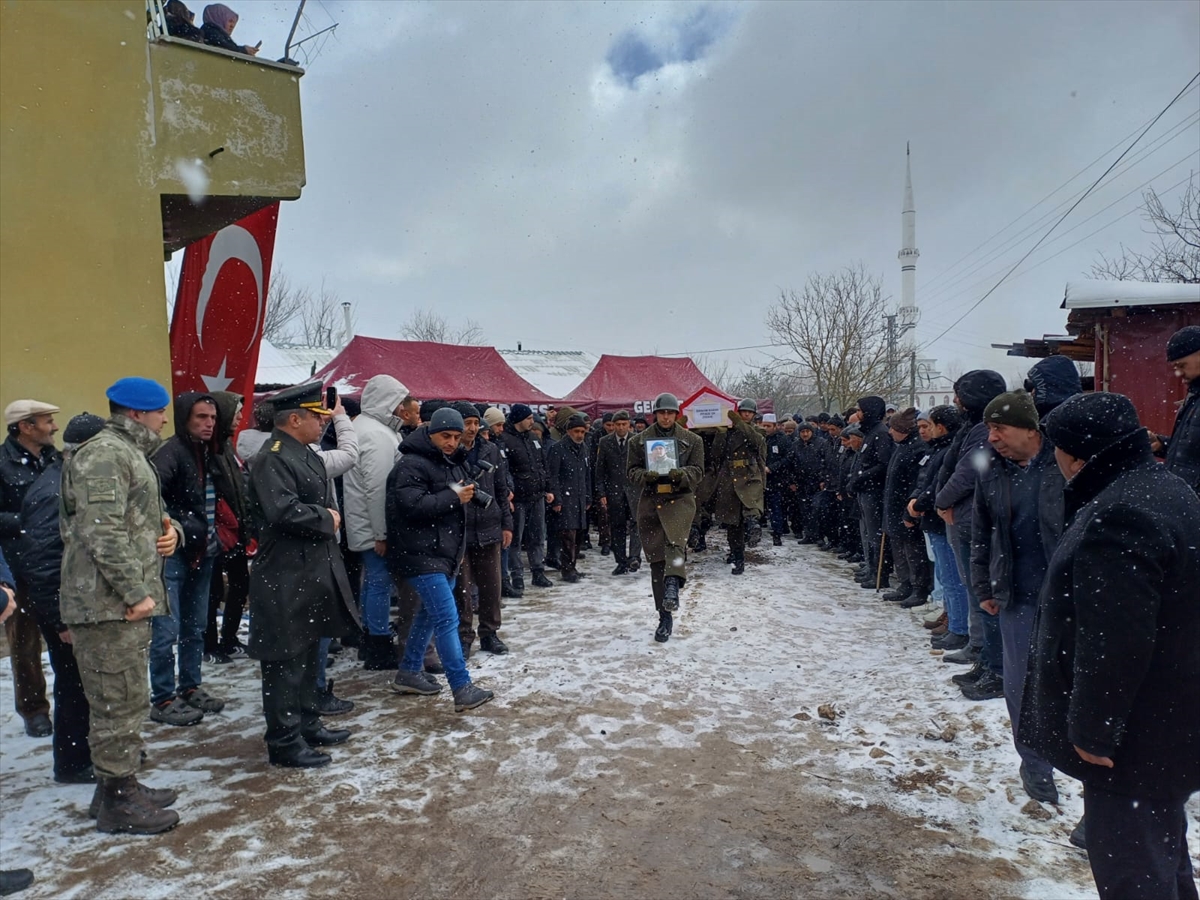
(160, 797)
(124, 809)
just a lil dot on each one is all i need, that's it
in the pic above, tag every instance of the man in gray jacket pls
(378, 430)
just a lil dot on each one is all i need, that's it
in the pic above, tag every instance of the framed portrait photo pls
(662, 455)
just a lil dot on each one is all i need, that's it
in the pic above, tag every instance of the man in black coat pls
(570, 483)
(1182, 449)
(868, 479)
(40, 566)
(427, 493)
(299, 592)
(525, 454)
(806, 461)
(616, 495)
(908, 543)
(488, 530)
(779, 447)
(1112, 696)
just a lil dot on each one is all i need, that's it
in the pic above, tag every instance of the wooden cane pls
(879, 571)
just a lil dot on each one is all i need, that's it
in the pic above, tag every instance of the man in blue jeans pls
(192, 483)
(427, 492)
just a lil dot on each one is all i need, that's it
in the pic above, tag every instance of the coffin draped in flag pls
(221, 305)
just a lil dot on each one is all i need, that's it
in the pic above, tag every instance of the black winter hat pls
(1088, 423)
(429, 407)
(82, 427)
(837, 420)
(446, 419)
(1184, 342)
(519, 413)
(979, 387)
(575, 421)
(466, 410)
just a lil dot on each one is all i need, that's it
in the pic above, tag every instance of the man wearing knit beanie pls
(1113, 693)
(1017, 523)
(1182, 449)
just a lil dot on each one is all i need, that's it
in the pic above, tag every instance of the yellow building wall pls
(94, 121)
(81, 274)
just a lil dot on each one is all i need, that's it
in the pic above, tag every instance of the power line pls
(1052, 228)
(984, 243)
(959, 279)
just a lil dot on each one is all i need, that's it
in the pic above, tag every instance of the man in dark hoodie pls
(191, 482)
(867, 482)
(954, 502)
(231, 569)
(908, 543)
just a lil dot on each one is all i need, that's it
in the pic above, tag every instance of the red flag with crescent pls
(217, 324)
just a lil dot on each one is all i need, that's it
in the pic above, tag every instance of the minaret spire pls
(908, 236)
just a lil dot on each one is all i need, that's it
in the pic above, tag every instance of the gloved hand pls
(651, 477)
(676, 476)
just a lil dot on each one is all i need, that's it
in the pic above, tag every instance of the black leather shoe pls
(621, 569)
(605, 550)
(990, 686)
(86, 775)
(739, 566)
(327, 737)
(571, 577)
(1078, 836)
(13, 880)
(662, 633)
(298, 756)
(634, 565)
(491, 643)
(39, 726)
(540, 580)
(1043, 789)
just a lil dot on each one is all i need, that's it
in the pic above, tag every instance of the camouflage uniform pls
(111, 518)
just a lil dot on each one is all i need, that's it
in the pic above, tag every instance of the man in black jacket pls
(426, 527)
(779, 447)
(867, 482)
(1113, 691)
(40, 563)
(570, 482)
(24, 455)
(1016, 525)
(908, 543)
(488, 530)
(1182, 449)
(191, 484)
(616, 495)
(526, 459)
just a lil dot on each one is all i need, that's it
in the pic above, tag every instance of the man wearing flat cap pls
(1182, 449)
(299, 592)
(1112, 696)
(116, 533)
(26, 452)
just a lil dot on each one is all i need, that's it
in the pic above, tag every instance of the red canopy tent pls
(632, 382)
(432, 371)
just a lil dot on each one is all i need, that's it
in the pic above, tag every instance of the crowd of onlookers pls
(1064, 558)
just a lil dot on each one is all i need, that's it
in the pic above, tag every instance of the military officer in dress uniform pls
(666, 506)
(299, 592)
(741, 452)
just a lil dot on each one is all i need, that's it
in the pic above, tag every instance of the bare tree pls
(284, 304)
(833, 332)
(1174, 254)
(426, 325)
(785, 387)
(321, 322)
(715, 370)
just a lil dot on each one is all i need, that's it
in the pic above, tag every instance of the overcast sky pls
(632, 177)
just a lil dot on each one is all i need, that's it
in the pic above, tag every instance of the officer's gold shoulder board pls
(275, 447)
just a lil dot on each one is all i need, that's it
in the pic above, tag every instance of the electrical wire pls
(1052, 228)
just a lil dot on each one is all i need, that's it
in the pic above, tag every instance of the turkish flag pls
(216, 328)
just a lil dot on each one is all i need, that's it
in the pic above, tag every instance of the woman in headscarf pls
(219, 21)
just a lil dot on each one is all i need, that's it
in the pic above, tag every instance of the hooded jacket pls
(969, 453)
(1051, 381)
(365, 486)
(903, 470)
(1114, 664)
(923, 492)
(183, 464)
(871, 464)
(425, 517)
(232, 471)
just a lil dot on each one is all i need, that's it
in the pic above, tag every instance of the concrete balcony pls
(224, 137)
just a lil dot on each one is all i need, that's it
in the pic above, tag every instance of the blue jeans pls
(187, 592)
(1016, 631)
(954, 594)
(376, 594)
(437, 616)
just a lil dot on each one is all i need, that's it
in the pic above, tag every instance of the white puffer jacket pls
(365, 485)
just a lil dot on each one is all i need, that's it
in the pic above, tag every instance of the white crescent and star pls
(231, 242)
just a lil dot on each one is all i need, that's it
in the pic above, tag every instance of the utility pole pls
(912, 378)
(897, 325)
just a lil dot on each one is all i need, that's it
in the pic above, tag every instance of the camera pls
(482, 498)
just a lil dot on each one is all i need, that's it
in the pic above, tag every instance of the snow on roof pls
(554, 372)
(1088, 294)
(289, 365)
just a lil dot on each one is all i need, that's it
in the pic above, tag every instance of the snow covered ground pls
(607, 766)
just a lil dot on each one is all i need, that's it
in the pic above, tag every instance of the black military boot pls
(739, 564)
(777, 540)
(671, 586)
(160, 797)
(753, 533)
(663, 632)
(380, 653)
(509, 590)
(124, 809)
(518, 582)
(540, 580)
